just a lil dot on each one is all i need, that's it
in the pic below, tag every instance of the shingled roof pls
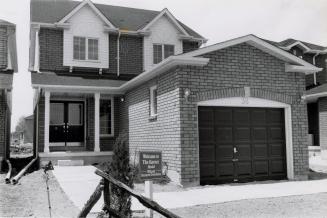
(133, 19)
(291, 41)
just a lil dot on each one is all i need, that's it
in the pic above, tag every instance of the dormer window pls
(161, 51)
(86, 48)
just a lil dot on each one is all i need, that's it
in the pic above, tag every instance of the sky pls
(216, 20)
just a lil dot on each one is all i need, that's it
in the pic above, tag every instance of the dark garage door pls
(241, 144)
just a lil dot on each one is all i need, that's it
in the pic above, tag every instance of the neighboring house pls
(228, 112)
(8, 65)
(316, 84)
(28, 129)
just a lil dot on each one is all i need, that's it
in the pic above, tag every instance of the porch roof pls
(53, 80)
(315, 93)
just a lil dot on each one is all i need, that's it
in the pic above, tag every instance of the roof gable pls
(295, 64)
(92, 6)
(165, 12)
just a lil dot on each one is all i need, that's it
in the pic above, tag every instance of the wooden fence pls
(104, 186)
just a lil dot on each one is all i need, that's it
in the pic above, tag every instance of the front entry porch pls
(76, 126)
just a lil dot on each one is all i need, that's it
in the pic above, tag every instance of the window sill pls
(87, 61)
(107, 136)
(153, 117)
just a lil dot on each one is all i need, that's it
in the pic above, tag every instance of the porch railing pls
(104, 185)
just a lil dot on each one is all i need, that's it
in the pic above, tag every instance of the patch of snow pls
(317, 164)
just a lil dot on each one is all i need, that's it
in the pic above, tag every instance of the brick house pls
(8, 65)
(228, 112)
(316, 86)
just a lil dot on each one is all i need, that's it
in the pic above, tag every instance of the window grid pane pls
(79, 48)
(169, 50)
(93, 49)
(105, 117)
(157, 54)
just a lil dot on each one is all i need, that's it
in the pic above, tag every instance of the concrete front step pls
(75, 158)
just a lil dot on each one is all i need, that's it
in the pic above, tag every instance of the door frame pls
(59, 144)
(260, 103)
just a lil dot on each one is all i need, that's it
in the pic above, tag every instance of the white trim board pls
(170, 16)
(263, 103)
(92, 6)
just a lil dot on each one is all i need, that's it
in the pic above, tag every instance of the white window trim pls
(162, 51)
(87, 50)
(152, 114)
(112, 116)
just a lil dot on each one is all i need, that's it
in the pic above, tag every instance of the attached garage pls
(240, 144)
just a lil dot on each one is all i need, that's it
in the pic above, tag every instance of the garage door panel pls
(225, 169)
(206, 134)
(207, 170)
(261, 168)
(258, 117)
(277, 150)
(243, 152)
(259, 134)
(277, 166)
(241, 116)
(224, 134)
(223, 116)
(244, 168)
(225, 152)
(207, 152)
(206, 116)
(276, 133)
(242, 134)
(275, 116)
(260, 151)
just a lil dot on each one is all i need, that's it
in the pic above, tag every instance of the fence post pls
(148, 189)
(106, 194)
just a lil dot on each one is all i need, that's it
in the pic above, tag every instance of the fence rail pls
(104, 185)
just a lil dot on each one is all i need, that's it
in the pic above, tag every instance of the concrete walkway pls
(79, 182)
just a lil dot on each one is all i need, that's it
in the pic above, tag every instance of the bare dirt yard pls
(304, 206)
(29, 198)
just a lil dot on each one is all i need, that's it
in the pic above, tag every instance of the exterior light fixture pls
(122, 99)
(187, 93)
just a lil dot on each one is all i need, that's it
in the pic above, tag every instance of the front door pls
(66, 124)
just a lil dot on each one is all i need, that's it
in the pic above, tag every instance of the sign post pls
(150, 168)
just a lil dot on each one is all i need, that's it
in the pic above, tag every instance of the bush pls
(121, 170)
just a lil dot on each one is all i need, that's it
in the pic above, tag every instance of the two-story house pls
(8, 65)
(227, 112)
(316, 85)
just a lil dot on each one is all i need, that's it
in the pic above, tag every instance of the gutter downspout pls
(314, 74)
(118, 53)
(36, 52)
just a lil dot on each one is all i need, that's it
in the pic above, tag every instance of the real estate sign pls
(150, 164)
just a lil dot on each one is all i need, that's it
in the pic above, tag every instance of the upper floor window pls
(86, 48)
(161, 52)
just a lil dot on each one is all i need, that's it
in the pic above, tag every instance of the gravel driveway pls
(293, 206)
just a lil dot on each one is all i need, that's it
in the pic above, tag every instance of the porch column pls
(46, 121)
(97, 122)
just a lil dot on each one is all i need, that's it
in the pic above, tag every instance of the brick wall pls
(51, 50)
(3, 107)
(3, 47)
(175, 132)
(322, 105)
(189, 46)
(160, 134)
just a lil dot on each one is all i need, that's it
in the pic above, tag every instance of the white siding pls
(163, 32)
(85, 23)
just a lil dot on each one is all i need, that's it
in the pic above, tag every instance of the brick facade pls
(228, 72)
(3, 47)
(4, 128)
